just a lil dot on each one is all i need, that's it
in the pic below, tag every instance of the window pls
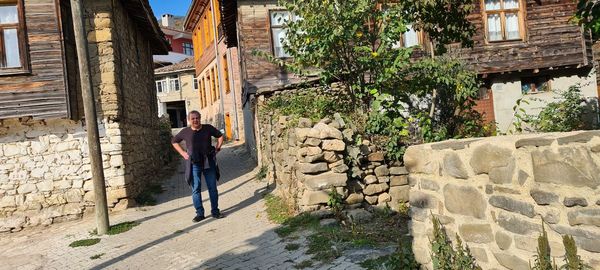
(161, 86)
(226, 74)
(188, 48)
(534, 85)
(213, 85)
(13, 57)
(410, 37)
(195, 83)
(503, 19)
(203, 92)
(278, 20)
(174, 83)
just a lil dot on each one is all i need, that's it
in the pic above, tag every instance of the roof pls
(228, 18)
(170, 58)
(185, 65)
(142, 14)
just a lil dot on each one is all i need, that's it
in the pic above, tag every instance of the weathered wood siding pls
(41, 94)
(551, 41)
(255, 34)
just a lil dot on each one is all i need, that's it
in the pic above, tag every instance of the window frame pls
(174, 83)
(226, 81)
(280, 27)
(520, 11)
(21, 29)
(188, 47)
(164, 86)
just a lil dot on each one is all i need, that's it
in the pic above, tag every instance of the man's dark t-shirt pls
(198, 142)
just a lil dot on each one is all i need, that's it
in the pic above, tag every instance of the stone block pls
(315, 158)
(314, 197)
(340, 169)
(384, 197)
(372, 200)
(575, 201)
(355, 198)
(304, 123)
(419, 159)
(551, 215)
(511, 262)
(453, 166)
(503, 240)
(348, 134)
(359, 215)
(542, 197)
(476, 233)
(45, 186)
(429, 185)
(512, 205)
(398, 171)
(330, 156)
(377, 156)
(370, 179)
(479, 254)
(334, 145)
(399, 194)
(74, 196)
(301, 134)
(26, 188)
(584, 217)
(422, 200)
(569, 166)
(535, 141)
(373, 189)
(464, 200)
(399, 180)
(312, 142)
(8, 201)
(325, 180)
(382, 171)
(487, 157)
(383, 179)
(323, 131)
(517, 224)
(312, 168)
(454, 144)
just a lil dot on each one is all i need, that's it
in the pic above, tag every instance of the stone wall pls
(305, 160)
(495, 192)
(45, 171)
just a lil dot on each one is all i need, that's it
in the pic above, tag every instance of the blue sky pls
(175, 7)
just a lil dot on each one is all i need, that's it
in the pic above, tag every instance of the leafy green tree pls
(588, 14)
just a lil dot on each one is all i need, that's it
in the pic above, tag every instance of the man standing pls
(200, 160)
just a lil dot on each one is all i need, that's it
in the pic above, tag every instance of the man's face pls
(194, 120)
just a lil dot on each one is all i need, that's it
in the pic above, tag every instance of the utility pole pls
(91, 122)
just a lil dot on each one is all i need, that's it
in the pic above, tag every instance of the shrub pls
(444, 256)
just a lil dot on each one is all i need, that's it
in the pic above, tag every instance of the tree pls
(588, 14)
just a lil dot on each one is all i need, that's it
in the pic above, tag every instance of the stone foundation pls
(495, 192)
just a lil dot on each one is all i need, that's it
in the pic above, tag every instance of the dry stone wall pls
(495, 192)
(306, 160)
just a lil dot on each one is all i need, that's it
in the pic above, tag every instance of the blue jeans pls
(210, 177)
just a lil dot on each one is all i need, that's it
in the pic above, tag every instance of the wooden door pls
(228, 133)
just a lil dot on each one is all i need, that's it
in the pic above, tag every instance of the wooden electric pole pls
(91, 119)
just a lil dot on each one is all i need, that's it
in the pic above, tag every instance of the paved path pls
(166, 237)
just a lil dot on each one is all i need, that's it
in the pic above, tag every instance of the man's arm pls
(219, 143)
(180, 150)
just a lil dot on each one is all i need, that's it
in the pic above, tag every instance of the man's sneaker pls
(219, 215)
(198, 218)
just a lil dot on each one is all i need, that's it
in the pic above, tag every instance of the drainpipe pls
(217, 59)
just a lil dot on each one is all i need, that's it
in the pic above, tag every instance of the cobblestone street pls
(166, 237)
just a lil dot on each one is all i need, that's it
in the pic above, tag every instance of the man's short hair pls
(194, 112)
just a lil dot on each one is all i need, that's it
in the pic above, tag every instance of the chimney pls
(168, 20)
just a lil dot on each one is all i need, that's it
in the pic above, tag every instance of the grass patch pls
(147, 196)
(85, 242)
(97, 256)
(262, 173)
(277, 210)
(304, 264)
(403, 258)
(291, 247)
(294, 224)
(118, 228)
